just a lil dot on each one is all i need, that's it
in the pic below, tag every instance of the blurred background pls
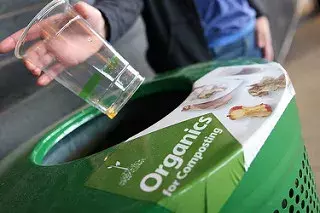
(26, 109)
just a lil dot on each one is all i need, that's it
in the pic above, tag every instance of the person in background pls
(230, 28)
(185, 32)
(179, 33)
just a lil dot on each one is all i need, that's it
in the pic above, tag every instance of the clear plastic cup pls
(71, 52)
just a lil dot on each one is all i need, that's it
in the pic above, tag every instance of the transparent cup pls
(68, 50)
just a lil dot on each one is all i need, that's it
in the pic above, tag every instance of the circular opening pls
(297, 199)
(284, 203)
(303, 204)
(296, 183)
(305, 179)
(307, 194)
(101, 132)
(303, 164)
(308, 209)
(298, 211)
(276, 211)
(291, 193)
(301, 189)
(309, 184)
(300, 173)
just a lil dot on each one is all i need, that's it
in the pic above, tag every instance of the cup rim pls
(44, 11)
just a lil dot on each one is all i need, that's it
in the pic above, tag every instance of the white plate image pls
(217, 89)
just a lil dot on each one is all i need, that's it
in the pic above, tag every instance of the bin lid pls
(203, 147)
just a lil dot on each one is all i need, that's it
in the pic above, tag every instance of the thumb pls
(93, 16)
(85, 10)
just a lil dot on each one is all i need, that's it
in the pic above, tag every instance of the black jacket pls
(173, 29)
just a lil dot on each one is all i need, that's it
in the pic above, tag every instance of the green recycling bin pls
(213, 137)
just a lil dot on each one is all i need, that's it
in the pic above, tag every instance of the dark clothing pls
(174, 34)
(173, 28)
(120, 15)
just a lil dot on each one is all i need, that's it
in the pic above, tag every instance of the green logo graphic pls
(169, 164)
(127, 173)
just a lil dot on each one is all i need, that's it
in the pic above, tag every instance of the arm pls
(119, 15)
(263, 32)
(112, 20)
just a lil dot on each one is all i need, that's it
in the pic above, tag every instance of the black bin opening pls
(102, 132)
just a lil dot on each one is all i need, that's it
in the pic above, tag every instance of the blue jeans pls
(244, 48)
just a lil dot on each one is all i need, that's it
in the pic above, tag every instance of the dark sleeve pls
(119, 15)
(258, 7)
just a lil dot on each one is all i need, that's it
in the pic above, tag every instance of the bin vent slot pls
(302, 195)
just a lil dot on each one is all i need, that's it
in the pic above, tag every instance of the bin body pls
(280, 179)
(67, 169)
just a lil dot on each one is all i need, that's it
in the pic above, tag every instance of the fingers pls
(82, 9)
(10, 42)
(37, 58)
(264, 39)
(45, 61)
(33, 69)
(261, 39)
(85, 10)
(34, 32)
(93, 16)
(50, 74)
(268, 52)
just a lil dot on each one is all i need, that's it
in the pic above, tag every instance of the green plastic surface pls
(280, 178)
(27, 186)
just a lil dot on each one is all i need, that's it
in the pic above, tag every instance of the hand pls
(68, 48)
(264, 40)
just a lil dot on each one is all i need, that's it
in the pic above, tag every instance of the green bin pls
(180, 145)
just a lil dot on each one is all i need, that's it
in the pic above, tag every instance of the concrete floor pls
(303, 65)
